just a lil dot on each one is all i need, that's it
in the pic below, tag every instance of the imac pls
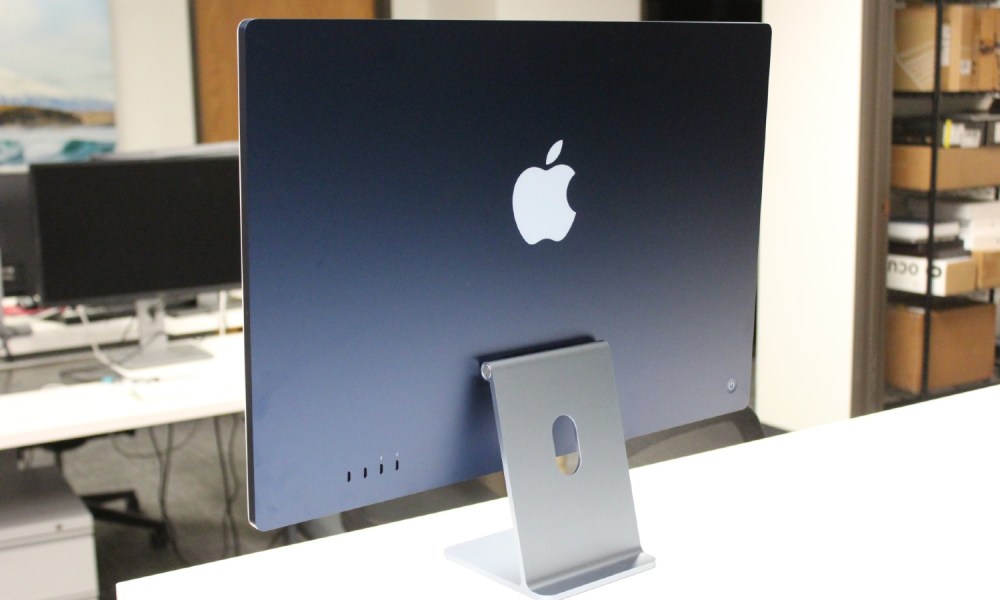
(137, 230)
(427, 205)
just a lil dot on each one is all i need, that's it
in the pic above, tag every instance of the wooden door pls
(213, 25)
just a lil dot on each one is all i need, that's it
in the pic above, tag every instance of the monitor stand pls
(574, 530)
(154, 351)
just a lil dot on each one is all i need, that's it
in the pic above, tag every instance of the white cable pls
(98, 353)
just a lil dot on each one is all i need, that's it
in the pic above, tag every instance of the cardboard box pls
(987, 269)
(958, 131)
(917, 231)
(965, 210)
(958, 168)
(991, 133)
(985, 60)
(916, 28)
(961, 348)
(949, 277)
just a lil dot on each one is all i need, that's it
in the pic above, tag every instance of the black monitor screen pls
(120, 230)
(17, 244)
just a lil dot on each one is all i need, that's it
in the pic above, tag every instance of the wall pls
(153, 64)
(577, 10)
(807, 317)
(153, 74)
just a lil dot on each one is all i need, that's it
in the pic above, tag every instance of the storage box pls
(961, 348)
(985, 60)
(991, 133)
(46, 538)
(917, 231)
(987, 269)
(914, 57)
(958, 168)
(954, 131)
(950, 276)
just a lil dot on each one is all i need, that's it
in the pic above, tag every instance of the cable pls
(164, 458)
(7, 354)
(147, 455)
(225, 487)
(234, 469)
(98, 353)
(230, 533)
(236, 482)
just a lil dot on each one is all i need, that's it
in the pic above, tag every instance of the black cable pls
(7, 354)
(164, 458)
(147, 455)
(276, 538)
(230, 535)
(236, 481)
(225, 486)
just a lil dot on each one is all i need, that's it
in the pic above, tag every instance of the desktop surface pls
(387, 253)
(161, 395)
(900, 504)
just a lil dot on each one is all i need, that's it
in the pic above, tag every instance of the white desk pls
(181, 392)
(51, 336)
(902, 504)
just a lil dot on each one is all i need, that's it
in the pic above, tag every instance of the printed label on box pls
(945, 44)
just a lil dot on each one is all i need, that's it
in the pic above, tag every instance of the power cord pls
(96, 349)
(230, 487)
(133, 455)
(164, 458)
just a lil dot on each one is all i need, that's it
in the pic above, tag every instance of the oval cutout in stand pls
(566, 443)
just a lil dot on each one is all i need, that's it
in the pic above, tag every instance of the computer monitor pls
(17, 244)
(119, 230)
(140, 230)
(392, 240)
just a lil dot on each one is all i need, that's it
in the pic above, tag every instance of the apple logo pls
(541, 209)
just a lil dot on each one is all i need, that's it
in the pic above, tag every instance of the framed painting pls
(57, 99)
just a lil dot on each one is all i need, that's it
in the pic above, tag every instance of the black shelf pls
(929, 94)
(935, 98)
(895, 397)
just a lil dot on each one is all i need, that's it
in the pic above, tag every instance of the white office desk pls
(180, 392)
(901, 504)
(50, 336)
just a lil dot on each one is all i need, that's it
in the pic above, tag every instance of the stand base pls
(154, 350)
(574, 528)
(496, 556)
(161, 357)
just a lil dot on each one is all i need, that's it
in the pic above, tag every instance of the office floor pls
(196, 504)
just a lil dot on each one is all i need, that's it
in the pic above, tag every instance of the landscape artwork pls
(56, 81)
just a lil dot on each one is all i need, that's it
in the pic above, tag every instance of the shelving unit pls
(929, 170)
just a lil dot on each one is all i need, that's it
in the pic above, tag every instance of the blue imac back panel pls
(420, 196)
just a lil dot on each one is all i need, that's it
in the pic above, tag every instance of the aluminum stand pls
(572, 532)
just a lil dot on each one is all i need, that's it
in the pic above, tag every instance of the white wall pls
(536, 10)
(809, 220)
(154, 84)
